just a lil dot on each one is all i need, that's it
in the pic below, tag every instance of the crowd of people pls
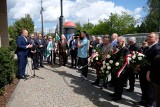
(82, 46)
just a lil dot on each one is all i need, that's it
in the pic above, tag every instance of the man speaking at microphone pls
(22, 53)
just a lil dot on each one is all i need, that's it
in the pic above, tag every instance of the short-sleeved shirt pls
(83, 50)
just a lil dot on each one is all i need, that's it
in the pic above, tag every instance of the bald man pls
(22, 53)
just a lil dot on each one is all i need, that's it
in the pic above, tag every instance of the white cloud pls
(75, 10)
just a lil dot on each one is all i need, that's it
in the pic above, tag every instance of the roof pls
(69, 24)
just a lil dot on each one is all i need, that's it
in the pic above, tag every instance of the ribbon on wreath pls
(124, 65)
(93, 55)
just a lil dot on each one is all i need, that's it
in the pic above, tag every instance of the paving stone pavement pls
(62, 87)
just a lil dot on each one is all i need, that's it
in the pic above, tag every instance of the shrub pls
(12, 44)
(8, 67)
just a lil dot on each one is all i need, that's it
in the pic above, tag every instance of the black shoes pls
(21, 77)
(130, 90)
(112, 95)
(124, 85)
(116, 98)
(95, 83)
(42, 66)
(142, 103)
(35, 68)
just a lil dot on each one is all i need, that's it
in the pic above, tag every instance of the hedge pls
(8, 67)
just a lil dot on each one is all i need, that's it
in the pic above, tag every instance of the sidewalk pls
(62, 87)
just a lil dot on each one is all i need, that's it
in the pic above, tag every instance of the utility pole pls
(41, 12)
(61, 18)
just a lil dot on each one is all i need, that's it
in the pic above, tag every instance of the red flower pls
(99, 63)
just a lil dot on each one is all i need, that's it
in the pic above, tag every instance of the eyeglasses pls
(150, 36)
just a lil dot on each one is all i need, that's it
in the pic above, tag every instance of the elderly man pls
(62, 47)
(129, 74)
(114, 39)
(119, 81)
(33, 52)
(22, 53)
(92, 45)
(105, 47)
(41, 44)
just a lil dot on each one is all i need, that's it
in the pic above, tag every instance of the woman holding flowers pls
(119, 76)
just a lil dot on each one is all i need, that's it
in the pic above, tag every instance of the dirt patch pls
(8, 92)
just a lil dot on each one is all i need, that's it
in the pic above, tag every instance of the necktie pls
(39, 41)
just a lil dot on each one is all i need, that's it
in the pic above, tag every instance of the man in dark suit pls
(119, 81)
(129, 74)
(73, 50)
(22, 53)
(62, 47)
(40, 43)
(33, 51)
(153, 55)
(153, 49)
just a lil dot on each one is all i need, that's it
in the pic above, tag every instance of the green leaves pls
(8, 67)
(24, 23)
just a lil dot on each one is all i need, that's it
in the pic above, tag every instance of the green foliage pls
(121, 24)
(152, 20)
(79, 27)
(24, 23)
(12, 45)
(8, 67)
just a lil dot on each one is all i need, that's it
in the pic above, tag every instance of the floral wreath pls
(114, 63)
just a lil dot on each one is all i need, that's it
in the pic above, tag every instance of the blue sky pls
(74, 10)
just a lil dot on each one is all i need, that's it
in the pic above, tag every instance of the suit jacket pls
(134, 47)
(152, 55)
(62, 47)
(38, 43)
(71, 43)
(22, 46)
(33, 42)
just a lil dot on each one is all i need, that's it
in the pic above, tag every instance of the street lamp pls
(61, 19)
(41, 12)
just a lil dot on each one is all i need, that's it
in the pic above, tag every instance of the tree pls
(23, 23)
(121, 24)
(79, 27)
(141, 28)
(152, 20)
(101, 28)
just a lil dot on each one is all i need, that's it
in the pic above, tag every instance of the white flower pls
(139, 58)
(101, 68)
(117, 63)
(111, 61)
(89, 59)
(107, 64)
(96, 58)
(108, 67)
(103, 62)
(134, 57)
(104, 66)
(94, 51)
(107, 72)
(129, 58)
(108, 56)
(133, 52)
(140, 54)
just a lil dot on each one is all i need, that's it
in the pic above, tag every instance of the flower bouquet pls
(137, 59)
(114, 63)
(96, 60)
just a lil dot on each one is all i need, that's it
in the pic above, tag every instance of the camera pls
(76, 36)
